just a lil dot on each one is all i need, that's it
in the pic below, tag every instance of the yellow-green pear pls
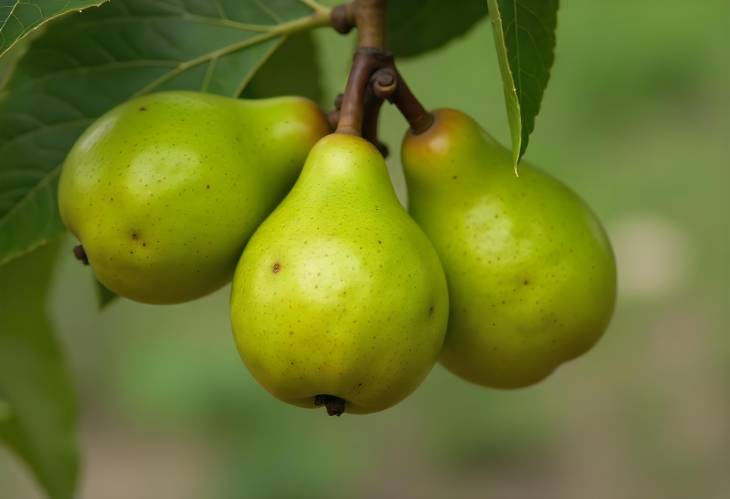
(531, 273)
(339, 299)
(164, 190)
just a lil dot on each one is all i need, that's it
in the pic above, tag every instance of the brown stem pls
(365, 63)
(415, 114)
(333, 117)
(370, 18)
(371, 106)
(382, 85)
(373, 103)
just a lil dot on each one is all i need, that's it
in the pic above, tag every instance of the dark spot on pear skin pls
(430, 311)
(143, 108)
(526, 282)
(135, 236)
(276, 268)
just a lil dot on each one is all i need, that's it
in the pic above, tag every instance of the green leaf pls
(103, 295)
(8, 61)
(5, 411)
(84, 65)
(524, 34)
(40, 422)
(20, 17)
(417, 26)
(299, 56)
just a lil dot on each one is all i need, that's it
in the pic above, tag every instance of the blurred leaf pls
(8, 61)
(4, 411)
(298, 56)
(103, 295)
(41, 424)
(524, 34)
(417, 26)
(20, 17)
(84, 65)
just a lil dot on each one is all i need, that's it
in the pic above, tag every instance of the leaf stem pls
(317, 7)
(318, 19)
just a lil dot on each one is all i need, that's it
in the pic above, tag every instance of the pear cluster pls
(340, 297)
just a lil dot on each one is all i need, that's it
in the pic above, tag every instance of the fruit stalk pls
(409, 106)
(382, 85)
(365, 63)
(369, 16)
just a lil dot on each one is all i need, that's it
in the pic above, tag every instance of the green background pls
(636, 120)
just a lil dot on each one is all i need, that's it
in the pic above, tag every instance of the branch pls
(370, 16)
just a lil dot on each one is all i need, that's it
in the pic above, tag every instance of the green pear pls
(531, 273)
(164, 190)
(339, 298)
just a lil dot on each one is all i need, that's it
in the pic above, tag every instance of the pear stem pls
(410, 107)
(366, 61)
(381, 86)
(370, 18)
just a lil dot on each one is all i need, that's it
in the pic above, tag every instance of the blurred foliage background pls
(636, 119)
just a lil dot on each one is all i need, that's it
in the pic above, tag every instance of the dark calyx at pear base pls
(335, 405)
(80, 254)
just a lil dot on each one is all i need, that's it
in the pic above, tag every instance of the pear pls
(339, 299)
(531, 272)
(164, 190)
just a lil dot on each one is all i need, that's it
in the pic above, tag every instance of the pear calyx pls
(335, 405)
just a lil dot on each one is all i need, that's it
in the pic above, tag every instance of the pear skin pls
(339, 298)
(164, 190)
(531, 272)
